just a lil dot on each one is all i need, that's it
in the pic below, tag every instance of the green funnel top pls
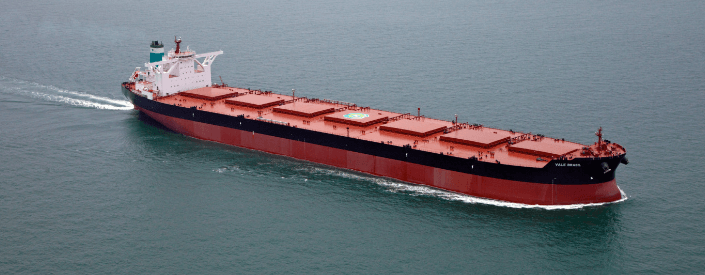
(156, 51)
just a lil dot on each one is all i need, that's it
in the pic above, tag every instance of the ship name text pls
(568, 164)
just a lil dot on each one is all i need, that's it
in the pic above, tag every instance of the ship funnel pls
(156, 51)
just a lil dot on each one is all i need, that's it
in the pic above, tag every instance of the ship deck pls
(461, 140)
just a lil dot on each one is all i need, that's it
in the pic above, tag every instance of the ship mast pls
(178, 46)
(599, 135)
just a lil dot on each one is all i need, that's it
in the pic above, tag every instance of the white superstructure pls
(177, 72)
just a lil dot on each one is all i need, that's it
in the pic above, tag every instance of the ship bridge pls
(176, 72)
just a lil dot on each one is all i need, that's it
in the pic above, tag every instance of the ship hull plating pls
(578, 181)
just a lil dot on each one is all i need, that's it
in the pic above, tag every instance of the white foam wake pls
(80, 102)
(55, 94)
(421, 190)
(429, 191)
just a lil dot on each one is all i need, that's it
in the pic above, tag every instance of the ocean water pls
(89, 186)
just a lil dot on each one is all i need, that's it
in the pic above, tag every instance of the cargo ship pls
(176, 90)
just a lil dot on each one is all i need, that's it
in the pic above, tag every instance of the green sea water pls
(90, 186)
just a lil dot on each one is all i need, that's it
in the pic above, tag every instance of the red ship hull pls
(531, 193)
